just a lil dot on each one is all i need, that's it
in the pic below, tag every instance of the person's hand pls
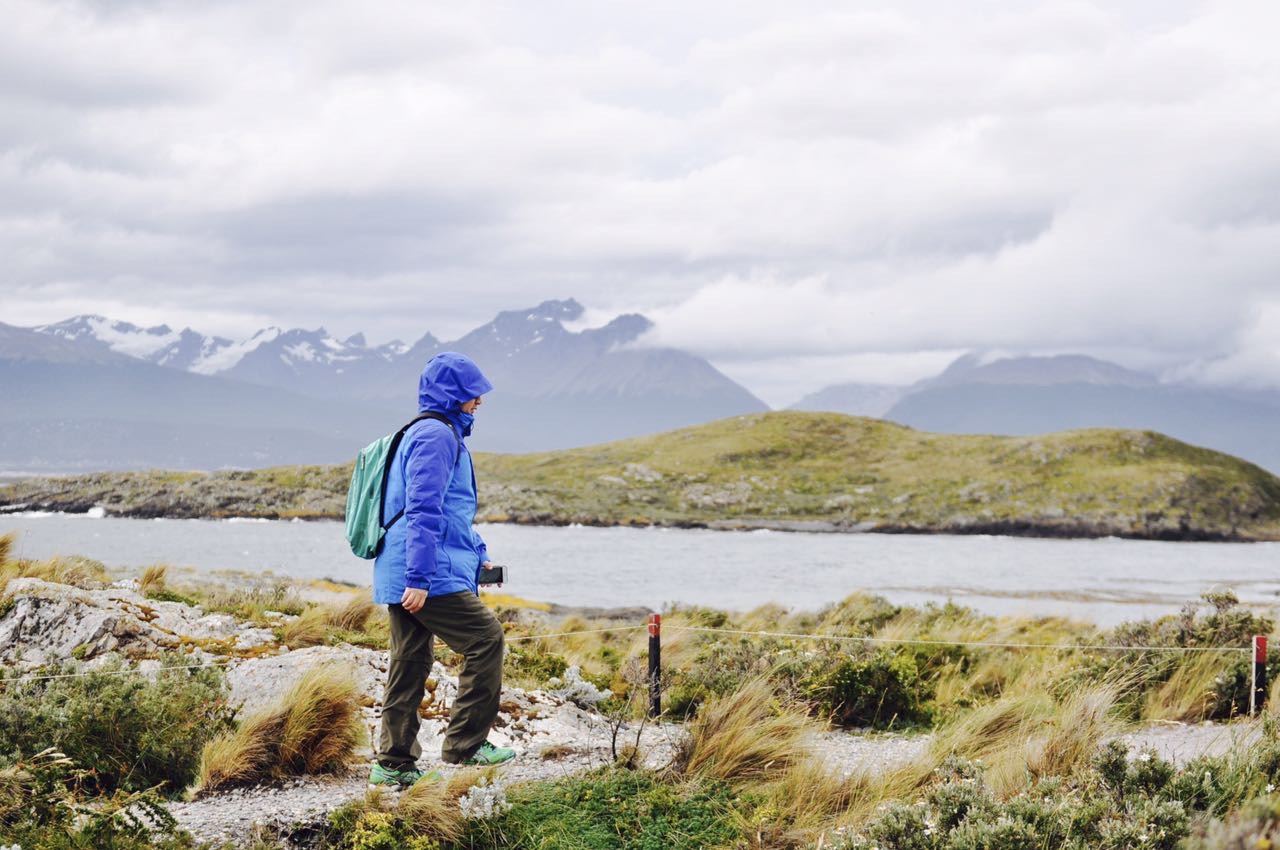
(413, 599)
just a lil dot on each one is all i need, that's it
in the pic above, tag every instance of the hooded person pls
(427, 574)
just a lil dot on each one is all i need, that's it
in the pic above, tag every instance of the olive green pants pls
(467, 627)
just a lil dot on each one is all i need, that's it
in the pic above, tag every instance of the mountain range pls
(1018, 396)
(91, 393)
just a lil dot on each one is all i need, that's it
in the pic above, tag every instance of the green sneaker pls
(489, 754)
(380, 775)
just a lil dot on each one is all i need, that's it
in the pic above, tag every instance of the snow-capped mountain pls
(554, 387)
(295, 350)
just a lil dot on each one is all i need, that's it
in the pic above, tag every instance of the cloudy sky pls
(805, 193)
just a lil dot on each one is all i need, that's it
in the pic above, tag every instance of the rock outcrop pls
(46, 623)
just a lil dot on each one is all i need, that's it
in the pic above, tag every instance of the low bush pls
(253, 603)
(128, 731)
(719, 668)
(42, 807)
(1113, 801)
(611, 810)
(1178, 685)
(530, 666)
(879, 690)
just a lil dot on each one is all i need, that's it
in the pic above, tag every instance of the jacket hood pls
(450, 379)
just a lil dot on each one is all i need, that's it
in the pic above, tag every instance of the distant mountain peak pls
(560, 311)
(978, 367)
(625, 328)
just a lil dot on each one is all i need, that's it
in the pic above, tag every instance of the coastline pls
(1026, 528)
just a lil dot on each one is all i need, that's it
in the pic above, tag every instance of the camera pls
(497, 574)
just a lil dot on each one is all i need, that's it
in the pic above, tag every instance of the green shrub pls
(1225, 624)
(529, 665)
(880, 690)
(127, 731)
(1117, 801)
(42, 808)
(721, 667)
(1255, 827)
(612, 810)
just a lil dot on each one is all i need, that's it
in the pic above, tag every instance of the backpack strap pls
(391, 454)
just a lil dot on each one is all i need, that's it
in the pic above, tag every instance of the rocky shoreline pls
(1060, 529)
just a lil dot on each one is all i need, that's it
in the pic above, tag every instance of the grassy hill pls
(782, 470)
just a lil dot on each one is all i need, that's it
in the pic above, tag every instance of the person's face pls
(470, 406)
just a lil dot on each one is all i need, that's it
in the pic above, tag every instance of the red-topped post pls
(1258, 694)
(655, 665)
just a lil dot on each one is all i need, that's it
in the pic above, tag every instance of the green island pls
(782, 470)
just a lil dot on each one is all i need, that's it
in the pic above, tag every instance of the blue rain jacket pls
(434, 546)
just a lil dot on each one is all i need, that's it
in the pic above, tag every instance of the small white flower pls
(484, 800)
(1270, 787)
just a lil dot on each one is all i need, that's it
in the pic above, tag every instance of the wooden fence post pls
(655, 665)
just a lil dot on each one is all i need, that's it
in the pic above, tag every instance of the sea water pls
(1103, 581)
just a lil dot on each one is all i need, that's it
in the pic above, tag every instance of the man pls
(426, 575)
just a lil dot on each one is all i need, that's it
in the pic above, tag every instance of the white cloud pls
(880, 185)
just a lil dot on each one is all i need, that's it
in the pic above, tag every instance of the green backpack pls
(367, 494)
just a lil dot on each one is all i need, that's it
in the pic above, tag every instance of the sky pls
(805, 193)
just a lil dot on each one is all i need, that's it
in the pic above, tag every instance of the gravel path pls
(571, 741)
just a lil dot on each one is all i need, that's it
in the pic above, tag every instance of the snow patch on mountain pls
(224, 358)
(121, 337)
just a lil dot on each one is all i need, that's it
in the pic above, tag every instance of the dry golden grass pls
(746, 737)
(310, 628)
(6, 546)
(154, 579)
(73, 570)
(494, 599)
(314, 728)
(794, 810)
(1188, 695)
(14, 791)
(1079, 724)
(430, 808)
(317, 624)
(352, 615)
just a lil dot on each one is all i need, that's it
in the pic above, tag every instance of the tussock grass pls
(352, 615)
(153, 580)
(314, 728)
(15, 782)
(430, 809)
(322, 624)
(1189, 694)
(1079, 724)
(72, 570)
(804, 801)
(256, 604)
(746, 736)
(310, 628)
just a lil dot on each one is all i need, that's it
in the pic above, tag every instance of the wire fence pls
(1061, 647)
